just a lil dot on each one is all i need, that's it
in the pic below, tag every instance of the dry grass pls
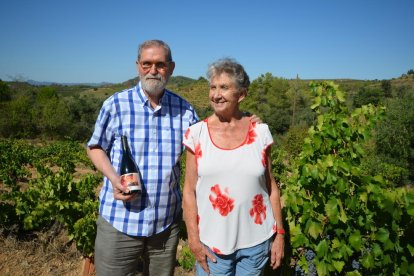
(47, 253)
(39, 255)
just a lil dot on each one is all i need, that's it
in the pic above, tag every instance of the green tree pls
(5, 93)
(368, 95)
(50, 114)
(386, 88)
(395, 137)
(268, 98)
(17, 118)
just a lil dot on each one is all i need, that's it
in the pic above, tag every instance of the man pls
(154, 119)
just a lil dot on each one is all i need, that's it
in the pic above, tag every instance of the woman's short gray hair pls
(231, 67)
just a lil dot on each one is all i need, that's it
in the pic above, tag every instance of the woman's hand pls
(277, 251)
(201, 254)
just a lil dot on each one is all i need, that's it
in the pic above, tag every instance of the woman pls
(231, 201)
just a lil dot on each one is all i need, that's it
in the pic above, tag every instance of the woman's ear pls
(243, 94)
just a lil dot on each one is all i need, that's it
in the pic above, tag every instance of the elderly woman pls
(231, 201)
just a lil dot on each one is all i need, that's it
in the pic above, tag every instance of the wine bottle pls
(130, 176)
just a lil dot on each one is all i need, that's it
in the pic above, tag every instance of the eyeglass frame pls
(160, 65)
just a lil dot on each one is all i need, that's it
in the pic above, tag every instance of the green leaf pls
(320, 122)
(331, 210)
(353, 273)
(343, 217)
(322, 249)
(321, 268)
(339, 265)
(382, 235)
(376, 250)
(355, 240)
(340, 96)
(411, 269)
(411, 249)
(316, 102)
(363, 197)
(410, 210)
(367, 261)
(314, 228)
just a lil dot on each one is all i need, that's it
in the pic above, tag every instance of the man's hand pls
(122, 193)
(277, 251)
(253, 117)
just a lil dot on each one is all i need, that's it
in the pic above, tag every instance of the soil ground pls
(45, 254)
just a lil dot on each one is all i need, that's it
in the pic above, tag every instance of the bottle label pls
(131, 181)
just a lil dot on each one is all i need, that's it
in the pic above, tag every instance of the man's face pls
(154, 70)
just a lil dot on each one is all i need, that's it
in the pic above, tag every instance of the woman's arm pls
(277, 252)
(190, 212)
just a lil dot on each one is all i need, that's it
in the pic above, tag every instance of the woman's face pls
(224, 94)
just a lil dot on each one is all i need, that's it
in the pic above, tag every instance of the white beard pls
(154, 87)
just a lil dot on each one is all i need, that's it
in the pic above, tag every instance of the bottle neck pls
(125, 146)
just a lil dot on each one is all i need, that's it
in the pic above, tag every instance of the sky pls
(91, 41)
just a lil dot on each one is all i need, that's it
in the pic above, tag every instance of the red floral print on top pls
(221, 201)
(264, 158)
(198, 153)
(251, 135)
(258, 210)
(187, 133)
(216, 250)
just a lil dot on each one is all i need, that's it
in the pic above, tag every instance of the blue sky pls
(96, 41)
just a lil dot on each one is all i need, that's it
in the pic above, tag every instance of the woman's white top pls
(233, 205)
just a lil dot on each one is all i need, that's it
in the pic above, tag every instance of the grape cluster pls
(299, 271)
(355, 264)
(309, 255)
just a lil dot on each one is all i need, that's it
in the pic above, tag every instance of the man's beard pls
(153, 84)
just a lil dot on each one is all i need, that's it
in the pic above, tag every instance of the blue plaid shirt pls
(155, 139)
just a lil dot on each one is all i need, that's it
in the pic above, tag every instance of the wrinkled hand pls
(122, 193)
(201, 254)
(277, 251)
(256, 119)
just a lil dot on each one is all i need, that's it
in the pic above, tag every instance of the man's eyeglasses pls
(146, 65)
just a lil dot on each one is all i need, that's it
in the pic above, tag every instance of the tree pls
(50, 114)
(19, 123)
(386, 88)
(368, 95)
(395, 138)
(5, 93)
(268, 98)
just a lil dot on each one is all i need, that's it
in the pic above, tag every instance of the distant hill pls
(195, 91)
(48, 83)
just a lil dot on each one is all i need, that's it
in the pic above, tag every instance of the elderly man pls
(154, 120)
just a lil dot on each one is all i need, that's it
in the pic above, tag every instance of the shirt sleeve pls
(188, 139)
(267, 136)
(103, 133)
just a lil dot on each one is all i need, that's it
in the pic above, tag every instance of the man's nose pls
(153, 70)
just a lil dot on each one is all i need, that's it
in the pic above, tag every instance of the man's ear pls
(171, 67)
(137, 65)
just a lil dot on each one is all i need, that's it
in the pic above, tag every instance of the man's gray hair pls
(158, 43)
